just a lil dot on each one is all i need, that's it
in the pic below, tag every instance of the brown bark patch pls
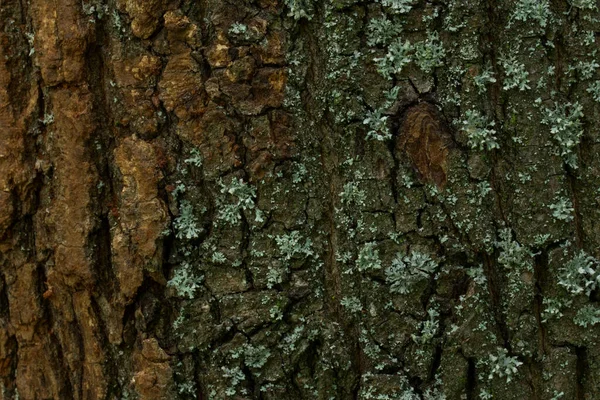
(136, 243)
(215, 136)
(181, 86)
(153, 378)
(424, 139)
(145, 15)
(62, 35)
(218, 53)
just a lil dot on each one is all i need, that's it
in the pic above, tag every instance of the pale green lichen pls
(587, 315)
(430, 53)
(584, 4)
(429, 328)
(503, 365)
(533, 10)
(406, 270)
(553, 308)
(353, 195)
(512, 254)
(236, 376)
(239, 196)
(484, 78)
(352, 304)
(195, 158)
(184, 281)
(48, 119)
(586, 69)
(290, 245)
(580, 275)
(377, 121)
(378, 127)
(481, 134)
(516, 76)
(299, 9)
(274, 277)
(562, 210)
(186, 224)
(594, 90)
(566, 127)
(253, 356)
(368, 258)
(238, 28)
(399, 6)
(382, 31)
(397, 57)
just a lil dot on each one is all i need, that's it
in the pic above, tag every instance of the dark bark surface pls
(299, 199)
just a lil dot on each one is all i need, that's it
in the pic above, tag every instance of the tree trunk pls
(299, 199)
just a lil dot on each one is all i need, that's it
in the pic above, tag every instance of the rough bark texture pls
(299, 199)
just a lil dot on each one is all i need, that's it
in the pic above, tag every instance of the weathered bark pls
(299, 199)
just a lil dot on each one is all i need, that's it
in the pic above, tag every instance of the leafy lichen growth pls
(382, 31)
(586, 69)
(368, 258)
(378, 128)
(377, 121)
(512, 254)
(48, 119)
(195, 158)
(406, 270)
(517, 261)
(584, 4)
(516, 76)
(184, 281)
(274, 277)
(299, 9)
(352, 304)
(566, 127)
(580, 275)
(533, 10)
(430, 53)
(396, 58)
(503, 365)
(186, 224)
(486, 76)
(240, 196)
(236, 376)
(254, 356)
(562, 209)
(553, 308)
(238, 28)
(399, 6)
(587, 315)
(291, 245)
(429, 328)
(481, 134)
(353, 195)
(594, 90)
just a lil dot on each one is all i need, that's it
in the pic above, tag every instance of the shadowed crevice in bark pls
(541, 275)
(582, 368)
(574, 189)
(471, 380)
(495, 287)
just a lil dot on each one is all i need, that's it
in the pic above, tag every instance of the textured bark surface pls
(299, 199)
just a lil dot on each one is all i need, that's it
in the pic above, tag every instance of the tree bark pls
(299, 199)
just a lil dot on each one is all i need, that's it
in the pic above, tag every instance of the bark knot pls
(424, 139)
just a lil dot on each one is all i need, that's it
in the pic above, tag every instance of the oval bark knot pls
(424, 140)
